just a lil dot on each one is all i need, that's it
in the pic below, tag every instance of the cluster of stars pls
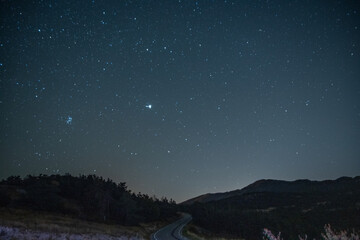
(68, 120)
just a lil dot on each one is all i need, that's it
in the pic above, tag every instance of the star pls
(69, 120)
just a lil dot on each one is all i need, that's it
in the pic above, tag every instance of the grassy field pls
(27, 220)
(196, 233)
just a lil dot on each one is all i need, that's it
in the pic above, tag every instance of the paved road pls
(173, 230)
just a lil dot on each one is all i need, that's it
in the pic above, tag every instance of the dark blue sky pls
(180, 98)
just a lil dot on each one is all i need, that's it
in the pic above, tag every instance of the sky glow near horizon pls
(180, 98)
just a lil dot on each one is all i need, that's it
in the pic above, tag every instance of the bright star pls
(68, 120)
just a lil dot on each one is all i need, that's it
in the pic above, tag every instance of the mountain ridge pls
(280, 186)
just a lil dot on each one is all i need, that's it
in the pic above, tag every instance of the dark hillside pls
(86, 197)
(279, 186)
(293, 208)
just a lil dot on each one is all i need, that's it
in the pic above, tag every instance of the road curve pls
(173, 230)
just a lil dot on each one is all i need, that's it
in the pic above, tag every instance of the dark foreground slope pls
(299, 207)
(85, 197)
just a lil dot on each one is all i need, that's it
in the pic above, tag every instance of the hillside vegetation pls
(292, 208)
(85, 197)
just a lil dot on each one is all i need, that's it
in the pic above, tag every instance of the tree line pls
(88, 197)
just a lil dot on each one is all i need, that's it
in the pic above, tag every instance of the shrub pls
(328, 235)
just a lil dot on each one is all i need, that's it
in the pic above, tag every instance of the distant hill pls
(290, 207)
(278, 186)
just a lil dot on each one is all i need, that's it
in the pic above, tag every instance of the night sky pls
(180, 98)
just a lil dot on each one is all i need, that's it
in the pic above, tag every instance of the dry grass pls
(55, 223)
(196, 233)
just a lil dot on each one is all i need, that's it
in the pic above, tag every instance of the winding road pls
(173, 230)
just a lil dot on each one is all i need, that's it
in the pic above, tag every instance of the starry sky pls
(180, 98)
